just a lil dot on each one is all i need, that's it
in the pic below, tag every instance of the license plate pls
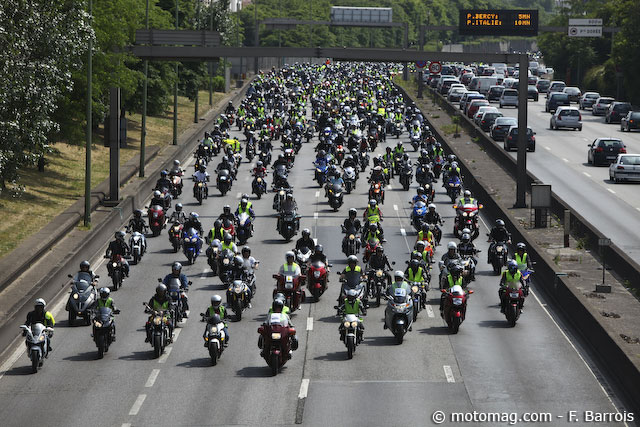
(611, 157)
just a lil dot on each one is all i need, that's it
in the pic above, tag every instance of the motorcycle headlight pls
(352, 237)
(499, 249)
(464, 214)
(414, 289)
(97, 324)
(281, 192)
(237, 290)
(276, 336)
(114, 265)
(259, 179)
(354, 324)
(379, 273)
(472, 213)
(41, 338)
(157, 320)
(347, 324)
(199, 184)
(213, 330)
(225, 261)
(457, 301)
(316, 274)
(288, 285)
(75, 296)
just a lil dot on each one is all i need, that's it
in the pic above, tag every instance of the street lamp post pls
(175, 95)
(143, 131)
(195, 114)
(87, 166)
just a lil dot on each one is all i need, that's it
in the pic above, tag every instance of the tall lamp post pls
(175, 95)
(143, 131)
(87, 166)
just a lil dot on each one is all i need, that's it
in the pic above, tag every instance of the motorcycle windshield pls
(400, 296)
(156, 208)
(317, 265)
(82, 275)
(281, 170)
(174, 284)
(82, 286)
(104, 314)
(37, 329)
(352, 279)
(191, 234)
(243, 218)
(223, 172)
(305, 252)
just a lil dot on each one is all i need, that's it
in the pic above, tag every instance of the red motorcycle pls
(513, 306)
(339, 153)
(467, 217)
(230, 228)
(157, 219)
(175, 236)
(455, 307)
(290, 287)
(318, 276)
(276, 342)
(376, 192)
(438, 162)
(371, 247)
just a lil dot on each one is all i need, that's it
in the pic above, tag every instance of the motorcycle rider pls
(163, 182)
(467, 248)
(398, 283)
(498, 233)
(423, 159)
(176, 273)
(333, 178)
(351, 304)
(230, 109)
(319, 255)
(511, 279)
(437, 150)
(217, 308)
(377, 175)
(159, 302)
(245, 207)
(227, 214)
(217, 232)
(373, 215)
(226, 164)
(379, 261)
(279, 161)
(178, 215)
(415, 272)
(105, 300)
(260, 170)
(201, 175)
(85, 267)
(373, 233)
(194, 222)
(290, 267)
(452, 257)
(278, 307)
(227, 243)
(136, 223)
(454, 278)
(305, 241)
(250, 264)
(420, 196)
(421, 254)
(521, 257)
(157, 199)
(40, 315)
(425, 233)
(289, 205)
(118, 247)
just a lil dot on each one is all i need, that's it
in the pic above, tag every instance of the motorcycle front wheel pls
(274, 364)
(101, 346)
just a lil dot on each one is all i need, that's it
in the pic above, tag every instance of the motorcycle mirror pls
(96, 276)
(116, 311)
(393, 263)
(480, 206)
(159, 280)
(470, 291)
(444, 291)
(406, 262)
(69, 276)
(190, 283)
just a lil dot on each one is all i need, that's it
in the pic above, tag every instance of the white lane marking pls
(317, 194)
(389, 187)
(238, 195)
(574, 349)
(403, 231)
(152, 378)
(167, 352)
(611, 191)
(126, 425)
(11, 360)
(638, 209)
(430, 311)
(176, 333)
(586, 174)
(395, 207)
(565, 160)
(586, 139)
(304, 388)
(547, 148)
(315, 215)
(137, 404)
(449, 374)
(309, 323)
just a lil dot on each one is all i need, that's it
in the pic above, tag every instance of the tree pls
(41, 42)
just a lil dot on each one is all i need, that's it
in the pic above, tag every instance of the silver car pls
(566, 117)
(509, 97)
(588, 99)
(601, 105)
(626, 167)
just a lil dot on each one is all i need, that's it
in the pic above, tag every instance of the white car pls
(626, 167)
(566, 117)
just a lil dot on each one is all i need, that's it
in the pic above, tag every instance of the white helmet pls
(452, 245)
(40, 302)
(399, 274)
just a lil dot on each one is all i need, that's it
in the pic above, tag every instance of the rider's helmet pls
(120, 236)
(226, 210)
(499, 223)
(161, 290)
(352, 261)
(512, 266)
(104, 293)
(467, 194)
(216, 300)
(451, 246)
(176, 268)
(85, 266)
(466, 238)
(521, 247)
(157, 194)
(290, 256)
(227, 238)
(398, 276)
(246, 251)
(238, 261)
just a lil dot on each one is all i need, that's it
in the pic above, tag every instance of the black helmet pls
(161, 290)
(119, 235)
(352, 259)
(373, 228)
(319, 249)
(85, 266)
(420, 190)
(179, 207)
(246, 250)
(456, 270)
(164, 174)
(414, 264)
(277, 305)
(217, 224)
(137, 213)
(379, 250)
(499, 223)
(227, 238)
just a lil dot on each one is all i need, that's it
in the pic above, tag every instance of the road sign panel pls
(435, 67)
(588, 21)
(584, 31)
(500, 22)
(421, 64)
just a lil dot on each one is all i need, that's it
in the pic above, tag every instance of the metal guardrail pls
(177, 37)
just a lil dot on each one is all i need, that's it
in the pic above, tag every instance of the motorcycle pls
(398, 128)
(364, 160)
(37, 342)
(138, 246)
(200, 190)
(336, 196)
(355, 281)
(214, 338)
(498, 253)
(350, 243)
(176, 184)
(158, 327)
(229, 227)
(166, 196)
(259, 186)
(318, 276)
(250, 149)
(513, 304)
(454, 188)
(398, 315)
(302, 258)
(212, 255)
(351, 333)
(175, 235)
(419, 293)
(245, 226)
(276, 341)
(238, 298)
(81, 300)
(177, 298)
(378, 280)
(103, 329)
(467, 217)
(265, 157)
(415, 138)
(117, 271)
(157, 219)
(349, 178)
(280, 177)
(224, 181)
(370, 248)
(376, 192)
(289, 157)
(191, 245)
(339, 155)
(438, 162)
(455, 307)
(321, 172)
(225, 266)
(418, 214)
(288, 225)
(422, 175)
(291, 288)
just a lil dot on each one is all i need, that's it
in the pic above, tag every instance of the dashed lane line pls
(152, 378)
(449, 374)
(315, 215)
(586, 174)
(611, 191)
(137, 404)
(304, 388)
(309, 323)
(430, 312)
(163, 358)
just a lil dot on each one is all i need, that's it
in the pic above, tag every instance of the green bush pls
(218, 84)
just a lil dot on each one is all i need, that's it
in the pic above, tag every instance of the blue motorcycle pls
(418, 214)
(191, 245)
(454, 188)
(322, 167)
(244, 228)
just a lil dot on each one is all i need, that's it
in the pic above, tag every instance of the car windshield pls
(630, 160)
(575, 113)
(510, 92)
(572, 90)
(491, 115)
(592, 96)
(635, 115)
(613, 143)
(514, 131)
(506, 121)
(560, 97)
(605, 101)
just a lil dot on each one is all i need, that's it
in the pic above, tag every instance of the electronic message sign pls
(498, 22)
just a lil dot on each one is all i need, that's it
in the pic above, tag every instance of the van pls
(555, 100)
(484, 83)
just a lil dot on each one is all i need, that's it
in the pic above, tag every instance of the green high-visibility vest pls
(290, 268)
(108, 303)
(229, 246)
(521, 260)
(158, 306)
(221, 311)
(352, 308)
(429, 235)
(356, 269)
(417, 277)
(241, 211)
(452, 283)
(512, 280)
